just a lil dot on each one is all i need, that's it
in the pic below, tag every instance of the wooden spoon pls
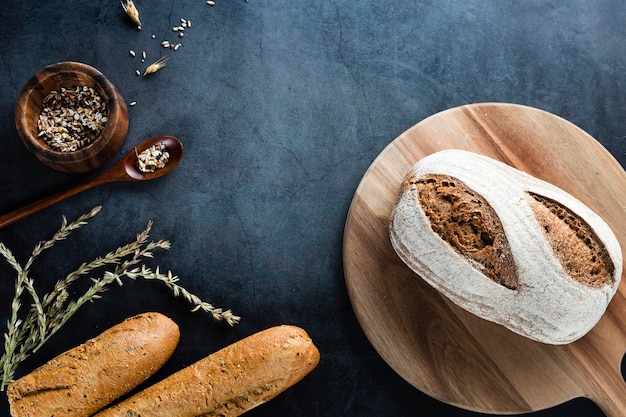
(124, 170)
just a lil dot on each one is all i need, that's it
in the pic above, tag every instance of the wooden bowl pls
(30, 105)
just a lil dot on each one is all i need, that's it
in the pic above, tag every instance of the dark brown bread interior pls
(574, 243)
(466, 221)
(469, 224)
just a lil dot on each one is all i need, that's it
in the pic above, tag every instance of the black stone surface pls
(282, 106)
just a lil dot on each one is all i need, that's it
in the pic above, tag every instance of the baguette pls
(87, 378)
(229, 382)
(506, 246)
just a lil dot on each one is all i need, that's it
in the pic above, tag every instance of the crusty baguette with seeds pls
(506, 246)
(229, 382)
(89, 377)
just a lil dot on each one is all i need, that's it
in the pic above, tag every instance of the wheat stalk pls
(48, 314)
(171, 282)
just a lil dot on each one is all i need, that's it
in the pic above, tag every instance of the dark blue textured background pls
(282, 106)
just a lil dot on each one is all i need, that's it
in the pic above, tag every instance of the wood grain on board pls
(443, 350)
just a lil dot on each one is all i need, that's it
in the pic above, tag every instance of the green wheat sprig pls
(47, 314)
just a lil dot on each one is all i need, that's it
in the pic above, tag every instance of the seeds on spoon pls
(153, 158)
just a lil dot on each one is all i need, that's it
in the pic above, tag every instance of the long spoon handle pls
(23, 212)
(123, 170)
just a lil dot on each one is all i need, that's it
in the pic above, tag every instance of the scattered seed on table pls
(178, 45)
(181, 34)
(132, 103)
(165, 44)
(153, 36)
(137, 72)
(210, 3)
(131, 52)
(143, 54)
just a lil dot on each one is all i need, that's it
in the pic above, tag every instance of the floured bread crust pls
(506, 246)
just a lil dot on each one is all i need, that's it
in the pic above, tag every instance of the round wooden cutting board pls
(438, 347)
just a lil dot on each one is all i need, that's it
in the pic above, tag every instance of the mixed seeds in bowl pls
(72, 118)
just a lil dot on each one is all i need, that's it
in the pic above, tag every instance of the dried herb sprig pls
(49, 313)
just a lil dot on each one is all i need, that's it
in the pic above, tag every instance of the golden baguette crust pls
(229, 382)
(85, 379)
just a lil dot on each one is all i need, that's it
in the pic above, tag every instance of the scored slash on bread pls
(506, 246)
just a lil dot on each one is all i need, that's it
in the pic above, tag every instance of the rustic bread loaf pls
(85, 379)
(230, 381)
(506, 246)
